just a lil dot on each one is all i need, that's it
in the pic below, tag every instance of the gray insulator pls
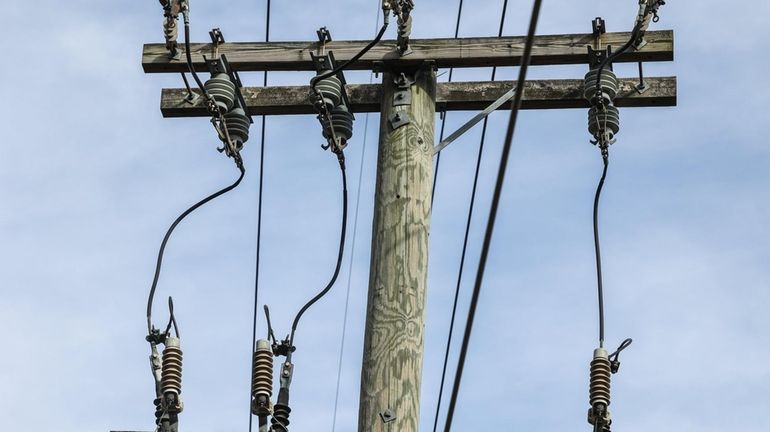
(222, 90)
(608, 84)
(238, 125)
(603, 120)
(342, 121)
(331, 89)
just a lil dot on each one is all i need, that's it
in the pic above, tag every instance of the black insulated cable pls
(166, 238)
(443, 118)
(259, 223)
(597, 248)
(515, 108)
(467, 233)
(340, 254)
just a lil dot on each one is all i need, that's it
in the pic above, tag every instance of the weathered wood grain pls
(394, 335)
(456, 96)
(465, 52)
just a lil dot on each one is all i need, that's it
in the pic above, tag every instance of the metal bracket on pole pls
(402, 97)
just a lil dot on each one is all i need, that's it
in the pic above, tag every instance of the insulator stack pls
(222, 89)
(262, 379)
(170, 31)
(171, 377)
(342, 123)
(238, 125)
(280, 418)
(405, 27)
(600, 379)
(608, 86)
(331, 91)
(604, 119)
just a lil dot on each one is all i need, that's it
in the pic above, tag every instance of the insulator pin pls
(608, 86)
(342, 123)
(238, 125)
(331, 91)
(262, 379)
(222, 89)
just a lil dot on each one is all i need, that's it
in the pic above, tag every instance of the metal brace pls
(596, 57)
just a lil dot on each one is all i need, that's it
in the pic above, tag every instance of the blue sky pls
(91, 176)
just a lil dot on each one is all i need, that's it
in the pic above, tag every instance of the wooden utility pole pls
(393, 341)
(393, 345)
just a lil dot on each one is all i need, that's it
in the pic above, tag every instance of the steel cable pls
(443, 118)
(352, 255)
(515, 108)
(465, 240)
(259, 225)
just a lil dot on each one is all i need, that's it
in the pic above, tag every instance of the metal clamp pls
(399, 119)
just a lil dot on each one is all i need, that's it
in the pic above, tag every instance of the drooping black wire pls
(338, 266)
(465, 241)
(259, 225)
(598, 251)
(443, 118)
(171, 229)
(515, 107)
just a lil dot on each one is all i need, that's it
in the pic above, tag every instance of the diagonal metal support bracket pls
(474, 121)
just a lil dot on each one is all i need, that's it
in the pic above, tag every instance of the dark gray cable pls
(515, 108)
(465, 240)
(259, 226)
(598, 251)
(443, 118)
(352, 254)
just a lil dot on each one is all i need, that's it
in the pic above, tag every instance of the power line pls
(259, 224)
(352, 252)
(515, 107)
(443, 117)
(465, 239)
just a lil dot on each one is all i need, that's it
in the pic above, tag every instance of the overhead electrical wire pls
(635, 34)
(352, 254)
(171, 229)
(443, 117)
(515, 108)
(465, 239)
(597, 247)
(259, 224)
(341, 157)
(338, 265)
